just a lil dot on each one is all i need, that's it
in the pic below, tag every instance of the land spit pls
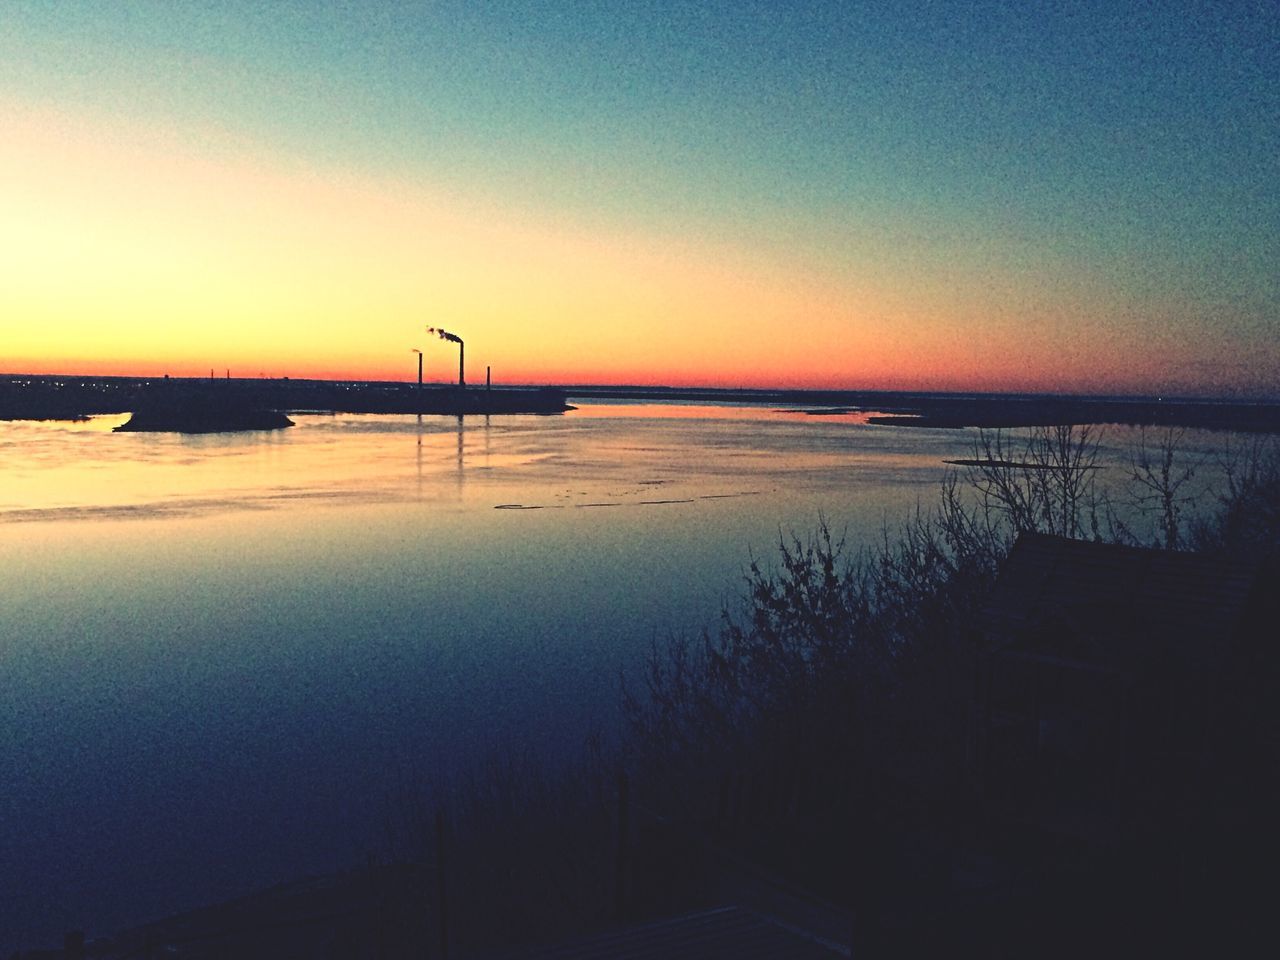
(208, 405)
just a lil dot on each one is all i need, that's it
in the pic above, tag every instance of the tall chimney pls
(419, 368)
(488, 378)
(462, 379)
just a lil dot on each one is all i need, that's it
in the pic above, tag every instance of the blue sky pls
(1108, 157)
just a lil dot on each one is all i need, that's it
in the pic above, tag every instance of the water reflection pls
(461, 473)
(418, 459)
(717, 410)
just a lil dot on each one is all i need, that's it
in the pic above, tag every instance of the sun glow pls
(136, 251)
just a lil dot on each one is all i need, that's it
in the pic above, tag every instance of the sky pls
(921, 196)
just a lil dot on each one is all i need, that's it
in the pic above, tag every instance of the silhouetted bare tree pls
(1043, 482)
(1246, 518)
(1159, 483)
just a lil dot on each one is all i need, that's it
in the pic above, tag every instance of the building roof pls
(726, 932)
(1120, 601)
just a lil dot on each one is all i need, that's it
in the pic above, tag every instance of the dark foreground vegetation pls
(848, 707)
(831, 754)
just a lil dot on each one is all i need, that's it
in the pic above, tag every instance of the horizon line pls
(727, 391)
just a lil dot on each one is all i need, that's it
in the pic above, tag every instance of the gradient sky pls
(969, 196)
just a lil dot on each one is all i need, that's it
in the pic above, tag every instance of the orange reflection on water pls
(718, 410)
(82, 469)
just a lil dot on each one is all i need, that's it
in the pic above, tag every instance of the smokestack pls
(488, 378)
(453, 338)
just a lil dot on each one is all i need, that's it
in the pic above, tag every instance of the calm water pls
(219, 655)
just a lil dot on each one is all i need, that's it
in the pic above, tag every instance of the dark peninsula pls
(202, 413)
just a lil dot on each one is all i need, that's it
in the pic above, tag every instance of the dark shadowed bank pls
(936, 744)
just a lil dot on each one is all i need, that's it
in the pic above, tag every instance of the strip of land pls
(990, 410)
(203, 405)
(25, 397)
(1013, 464)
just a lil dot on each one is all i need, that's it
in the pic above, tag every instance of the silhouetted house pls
(718, 932)
(1120, 688)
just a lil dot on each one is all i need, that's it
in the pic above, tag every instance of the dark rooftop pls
(1186, 602)
(725, 932)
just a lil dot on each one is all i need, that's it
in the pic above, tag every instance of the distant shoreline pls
(212, 404)
(47, 397)
(991, 411)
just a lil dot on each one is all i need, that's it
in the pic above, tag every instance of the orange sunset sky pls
(981, 198)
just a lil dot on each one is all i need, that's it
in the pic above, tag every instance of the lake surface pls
(220, 656)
